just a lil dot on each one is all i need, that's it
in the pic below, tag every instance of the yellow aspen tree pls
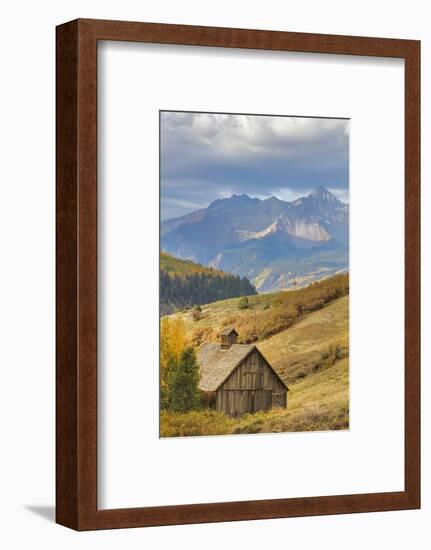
(172, 344)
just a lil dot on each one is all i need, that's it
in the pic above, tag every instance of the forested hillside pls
(186, 284)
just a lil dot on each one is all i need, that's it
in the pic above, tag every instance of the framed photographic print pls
(254, 284)
(238, 274)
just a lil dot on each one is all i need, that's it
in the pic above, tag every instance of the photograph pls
(254, 273)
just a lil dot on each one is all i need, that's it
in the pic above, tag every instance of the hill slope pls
(267, 314)
(296, 351)
(311, 356)
(318, 380)
(181, 268)
(184, 283)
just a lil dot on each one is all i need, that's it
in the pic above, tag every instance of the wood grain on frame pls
(76, 371)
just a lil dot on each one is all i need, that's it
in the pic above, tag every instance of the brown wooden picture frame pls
(76, 279)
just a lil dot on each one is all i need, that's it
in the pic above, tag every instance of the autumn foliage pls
(267, 315)
(179, 371)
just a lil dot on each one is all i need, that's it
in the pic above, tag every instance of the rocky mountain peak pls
(246, 236)
(233, 201)
(322, 194)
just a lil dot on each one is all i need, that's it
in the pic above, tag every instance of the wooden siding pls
(228, 339)
(253, 386)
(209, 399)
(253, 374)
(279, 400)
(237, 402)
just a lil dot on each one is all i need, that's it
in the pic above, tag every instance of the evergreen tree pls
(201, 288)
(184, 391)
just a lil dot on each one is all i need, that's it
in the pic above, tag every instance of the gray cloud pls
(206, 156)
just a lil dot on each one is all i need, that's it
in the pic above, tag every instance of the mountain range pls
(274, 243)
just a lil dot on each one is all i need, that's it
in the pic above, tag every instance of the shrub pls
(243, 302)
(201, 335)
(197, 313)
(195, 423)
(329, 356)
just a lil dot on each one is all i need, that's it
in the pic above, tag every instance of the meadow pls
(308, 347)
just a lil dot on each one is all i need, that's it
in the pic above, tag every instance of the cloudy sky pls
(206, 156)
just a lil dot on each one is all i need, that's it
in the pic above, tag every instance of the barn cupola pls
(228, 337)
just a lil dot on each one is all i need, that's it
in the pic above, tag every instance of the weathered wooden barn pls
(237, 379)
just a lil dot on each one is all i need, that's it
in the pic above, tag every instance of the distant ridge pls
(275, 243)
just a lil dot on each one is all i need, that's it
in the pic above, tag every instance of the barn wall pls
(252, 387)
(253, 374)
(237, 402)
(279, 400)
(208, 399)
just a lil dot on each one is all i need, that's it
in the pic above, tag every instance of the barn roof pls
(216, 363)
(228, 331)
